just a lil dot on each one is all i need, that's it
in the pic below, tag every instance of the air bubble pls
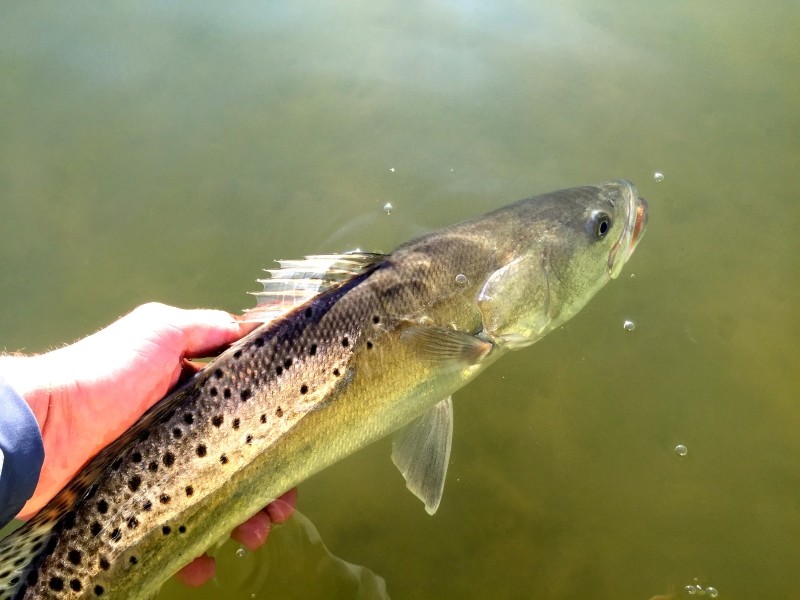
(712, 592)
(629, 325)
(658, 176)
(391, 169)
(388, 208)
(461, 279)
(240, 552)
(691, 589)
(681, 450)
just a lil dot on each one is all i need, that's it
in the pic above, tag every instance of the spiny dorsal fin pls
(297, 281)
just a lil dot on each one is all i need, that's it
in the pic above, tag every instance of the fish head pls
(561, 248)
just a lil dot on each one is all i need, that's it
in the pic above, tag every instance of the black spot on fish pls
(134, 483)
(213, 391)
(168, 459)
(312, 350)
(74, 556)
(153, 466)
(218, 373)
(69, 520)
(245, 394)
(75, 585)
(236, 423)
(14, 580)
(136, 457)
(144, 436)
(21, 560)
(182, 529)
(95, 528)
(287, 363)
(309, 313)
(376, 319)
(133, 560)
(248, 439)
(217, 420)
(166, 530)
(164, 499)
(336, 372)
(345, 342)
(115, 535)
(223, 459)
(258, 342)
(102, 507)
(237, 355)
(133, 522)
(188, 418)
(32, 578)
(189, 490)
(56, 584)
(5, 574)
(263, 418)
(279, 370)
(177, 433)
(304, 389)
(116, 464)
(104, 564)
(147, 506)
(98, 590)
(278, 413)
(36, 546)
(201, 450)
(226, 393)
(369, 345)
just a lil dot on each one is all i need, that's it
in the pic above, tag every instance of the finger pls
(199, 571)
(206, 331)
(281, 509)
(253, 532)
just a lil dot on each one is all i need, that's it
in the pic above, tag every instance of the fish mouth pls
(636, 214)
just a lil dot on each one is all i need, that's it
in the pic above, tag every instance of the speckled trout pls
(352, 347)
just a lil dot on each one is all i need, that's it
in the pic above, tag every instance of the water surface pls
(169, 151)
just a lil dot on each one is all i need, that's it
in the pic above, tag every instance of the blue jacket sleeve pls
(21, 452)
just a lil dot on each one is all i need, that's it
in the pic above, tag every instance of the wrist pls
(31, 378)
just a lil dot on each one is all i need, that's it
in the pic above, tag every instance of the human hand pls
(87, 394)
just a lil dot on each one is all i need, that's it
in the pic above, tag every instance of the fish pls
(351, 348)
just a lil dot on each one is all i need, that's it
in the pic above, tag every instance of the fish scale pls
(371, 345)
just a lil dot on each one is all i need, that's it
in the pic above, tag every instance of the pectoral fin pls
(421, 450)
(442, 345)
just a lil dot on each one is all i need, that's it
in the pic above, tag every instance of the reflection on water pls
(295, 563)
(170, 151)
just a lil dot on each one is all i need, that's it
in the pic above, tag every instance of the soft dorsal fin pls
(421, 451)
(297, 281)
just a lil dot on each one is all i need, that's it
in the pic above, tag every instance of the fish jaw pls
(636, 216)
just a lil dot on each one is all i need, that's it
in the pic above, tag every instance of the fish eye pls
(600, 223)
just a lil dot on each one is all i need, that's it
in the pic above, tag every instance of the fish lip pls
(636, 214)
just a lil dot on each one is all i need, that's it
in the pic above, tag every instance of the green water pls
(168, 151)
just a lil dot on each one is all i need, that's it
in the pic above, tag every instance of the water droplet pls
(681, 450)
(461, 279)
(658, 176)
(629, 325)
(388, 208)
(240, 552)
(712, 592)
